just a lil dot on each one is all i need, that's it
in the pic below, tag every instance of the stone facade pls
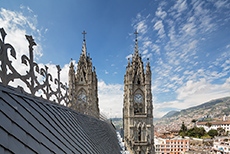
(137, 107)
(83, 91)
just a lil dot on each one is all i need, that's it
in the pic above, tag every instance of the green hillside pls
(208, 111)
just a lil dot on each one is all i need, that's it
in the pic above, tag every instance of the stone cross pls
(136, 33)
(84, 35)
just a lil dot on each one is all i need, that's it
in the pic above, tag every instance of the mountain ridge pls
(209, 103)
(213, 110)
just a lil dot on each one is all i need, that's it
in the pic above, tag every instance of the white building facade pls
(171, 146)
(221, 145)
(214, 125)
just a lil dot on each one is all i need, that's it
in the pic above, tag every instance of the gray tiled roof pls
(33, 125)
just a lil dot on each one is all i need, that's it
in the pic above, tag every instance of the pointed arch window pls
(139, 133)
(138, 81)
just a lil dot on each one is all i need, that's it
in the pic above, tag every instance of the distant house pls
(171, 146)
(221, 145)
(215, 124)
(174, 132)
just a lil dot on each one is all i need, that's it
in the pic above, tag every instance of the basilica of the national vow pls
(47, 116)
(137, 101)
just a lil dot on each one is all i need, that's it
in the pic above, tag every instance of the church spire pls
(136, 45)
(84, 46)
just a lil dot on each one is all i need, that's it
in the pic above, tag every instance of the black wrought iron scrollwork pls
(60, 94)
(5, 62)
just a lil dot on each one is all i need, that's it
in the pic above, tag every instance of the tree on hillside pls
(196, 132)
(201, 132)
(183, 130)
(212, 133)
(208, 124)
(183, 127)
(194, 122)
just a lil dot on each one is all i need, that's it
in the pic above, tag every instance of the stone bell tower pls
(137, 107)
(83, 91)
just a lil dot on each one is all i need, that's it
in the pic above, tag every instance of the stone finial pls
(71, 64)
(136, 45)
(84, 45)
(128, 62)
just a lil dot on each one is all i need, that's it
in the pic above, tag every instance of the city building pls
(137, 107)
(214, 125)
(226, 118)
(171, 146)
(83, 92)
(221, 145)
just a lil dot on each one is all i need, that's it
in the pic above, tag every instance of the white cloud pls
(141, 27)
(194, 93)
(12, 22)
(110, 98)
(146, 44)
(29, 9)
(181, 5)
(220, 3)
(189, 29)
(178, 9)
(129, 56)
(161, 14)
(46, 30)
(145, 52)
(160, 28)
(106, 72)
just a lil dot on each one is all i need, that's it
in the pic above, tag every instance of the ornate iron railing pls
(8, 73)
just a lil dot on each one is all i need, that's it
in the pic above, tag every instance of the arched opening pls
(139, 133)
(138, 81)
(140, 108)
(136, 109)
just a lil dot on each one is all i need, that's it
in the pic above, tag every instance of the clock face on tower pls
(138, 98)
(82, 98)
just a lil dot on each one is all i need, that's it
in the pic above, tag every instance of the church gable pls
(138, 77)
(81, 76)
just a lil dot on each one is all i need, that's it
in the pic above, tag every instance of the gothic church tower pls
(137, 107)
(83, 92)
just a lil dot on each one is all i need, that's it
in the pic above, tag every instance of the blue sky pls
(187, 41)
